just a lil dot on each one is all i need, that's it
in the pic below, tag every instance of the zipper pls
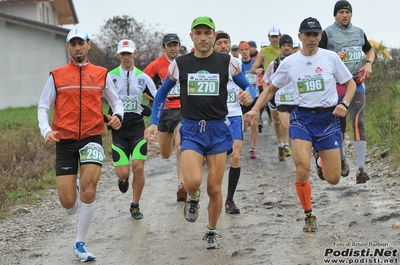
(80, 101)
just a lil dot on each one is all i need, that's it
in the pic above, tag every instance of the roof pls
(64, 8)
(33, 24)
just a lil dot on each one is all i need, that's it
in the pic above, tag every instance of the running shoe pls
(281, 154)
(81, 253)
(319, 169)
(136, 214)
(361, 176)
(191, 208)
(345, 168)
(286, 150)
(252, 154)
(123, 185)
(73, 210)
(311, 223)
(181, 193)
(231, 208)
(260, 127)
(211, 239)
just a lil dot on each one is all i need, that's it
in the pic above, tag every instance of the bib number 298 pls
(92, 152)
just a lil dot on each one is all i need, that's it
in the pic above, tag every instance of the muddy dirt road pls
(357, 223)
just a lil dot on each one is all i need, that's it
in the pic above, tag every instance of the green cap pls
(203, 21)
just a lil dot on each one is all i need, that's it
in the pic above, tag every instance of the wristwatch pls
(369, 61)
(345, 103)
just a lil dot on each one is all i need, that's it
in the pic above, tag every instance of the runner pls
(235, 51)
(283, 103)
(183, 50)
(247, 62)
(128, 143)
(350, 42)
(314, 72)
(296, 46)
(75, 91)
(267, 54)
(203, 76)
(222, 44)
(259, 71)
(168, 129)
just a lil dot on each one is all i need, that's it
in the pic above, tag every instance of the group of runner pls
(304, 92)
(202, 102)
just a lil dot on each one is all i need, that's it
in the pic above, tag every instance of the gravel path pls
(352, 218)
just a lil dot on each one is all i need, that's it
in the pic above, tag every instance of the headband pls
(222, 36)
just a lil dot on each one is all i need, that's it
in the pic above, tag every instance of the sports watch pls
(345, 103)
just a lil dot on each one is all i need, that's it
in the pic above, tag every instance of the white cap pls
(77, 33)
(126, 46)
(264, 43)
(296, 44)
(274, 31)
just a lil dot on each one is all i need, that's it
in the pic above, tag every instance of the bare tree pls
(148, 41)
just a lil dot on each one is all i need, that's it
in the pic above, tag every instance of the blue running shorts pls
(206, 137)
(237, 127)
(321, 129)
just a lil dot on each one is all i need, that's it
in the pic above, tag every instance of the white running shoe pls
(81, 253)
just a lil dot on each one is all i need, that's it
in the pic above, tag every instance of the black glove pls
(146, 110)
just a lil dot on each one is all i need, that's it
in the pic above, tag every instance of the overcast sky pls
(243, 20)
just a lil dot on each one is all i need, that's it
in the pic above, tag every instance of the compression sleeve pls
(242, 82)
(159, 100)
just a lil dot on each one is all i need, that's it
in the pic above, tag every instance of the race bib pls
(203, 84)
(232, 98)
(130, 103)
(311, 83)
(252, 78)
(92, 152)
(286, 97)
(353, 54)
(175, 91)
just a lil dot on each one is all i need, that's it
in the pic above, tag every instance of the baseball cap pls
(342, 5)
(296, 44)
(77, 33)
(183, 50)
(285, 39)
(310, 25)
(126, 46)
(264, 43)
(203, 21)
(252, 43)
(234, 48)
(274, 31)
(171, 37)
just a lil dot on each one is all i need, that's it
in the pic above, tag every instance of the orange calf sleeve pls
(303, 190)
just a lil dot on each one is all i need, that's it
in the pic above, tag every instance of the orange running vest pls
(78, 105)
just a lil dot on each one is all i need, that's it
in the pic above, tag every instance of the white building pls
(31, 44)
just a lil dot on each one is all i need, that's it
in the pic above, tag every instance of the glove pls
(146, 110)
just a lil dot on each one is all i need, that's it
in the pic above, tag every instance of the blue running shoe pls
(81, 253)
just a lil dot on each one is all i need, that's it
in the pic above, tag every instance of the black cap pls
(342, 5)
(171, 37)
(183, 50)
(285, 39)
(310, 25)
(234, 48)
(252, 43)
